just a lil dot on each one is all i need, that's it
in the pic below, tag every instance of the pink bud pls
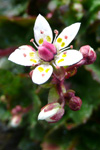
(13, 111)
(75, 103)
(47, 51)
(52, 112)
(89, 54)
(15, 120)
(18, 108)
(69, 94)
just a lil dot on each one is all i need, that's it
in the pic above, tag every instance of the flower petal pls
(42, 30)
(46, 115)
(42, 73)
(25, 55)
(67, 35)
(68, 58)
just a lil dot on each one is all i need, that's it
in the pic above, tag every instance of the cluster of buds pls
(53, 58)
(17, 114)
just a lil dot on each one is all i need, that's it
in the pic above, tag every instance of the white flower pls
(49, 53)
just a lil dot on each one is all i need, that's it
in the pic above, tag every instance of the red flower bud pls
(75, 103)
(69, 94)
(89, 54)
(18, 108)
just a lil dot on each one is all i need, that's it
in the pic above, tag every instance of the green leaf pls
(82, 115)
(53, 95)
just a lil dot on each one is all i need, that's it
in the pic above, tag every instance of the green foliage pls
(76, 130)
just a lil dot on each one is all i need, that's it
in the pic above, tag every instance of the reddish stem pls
(59, 88)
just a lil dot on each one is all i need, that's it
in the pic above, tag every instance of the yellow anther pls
(41, 41)
(59, 40)
(40, 69)
(60, 60)
(64, 55)
(48, 38)
(47, 70)
(31, 54)
(62, 44)
(33, 60)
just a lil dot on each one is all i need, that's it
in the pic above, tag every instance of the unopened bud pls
(18, 108)
(75, 103)
(69, 94)
(52, 112)
(15, 120)
(47, 51)
(89, 54)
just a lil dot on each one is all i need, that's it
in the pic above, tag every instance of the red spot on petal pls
(66, 37)
(41, 32)
(43, 75)
(24, 55)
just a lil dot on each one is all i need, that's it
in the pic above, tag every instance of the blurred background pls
(21, 100)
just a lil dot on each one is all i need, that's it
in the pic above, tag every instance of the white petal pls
(25, 55)
(49, 120)
(45, 115)
(68, 58)
(42, 73)
(67, 35)
(42, 30)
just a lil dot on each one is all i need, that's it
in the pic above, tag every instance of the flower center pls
(47, 51)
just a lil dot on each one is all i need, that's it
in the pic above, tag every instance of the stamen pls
(57, 67)
(32, 40)
(56, 34)
(70, 47)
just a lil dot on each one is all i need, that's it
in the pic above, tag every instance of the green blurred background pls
(76, 130)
